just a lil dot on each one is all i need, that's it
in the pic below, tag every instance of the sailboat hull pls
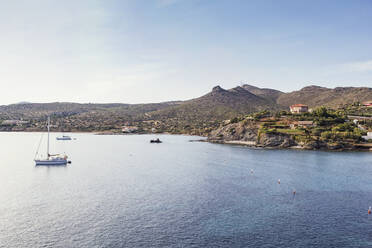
(51, 162)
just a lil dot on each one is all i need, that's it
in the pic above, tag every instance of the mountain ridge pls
(311, 95)
(315, 96)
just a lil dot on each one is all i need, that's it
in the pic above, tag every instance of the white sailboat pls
(51, 159)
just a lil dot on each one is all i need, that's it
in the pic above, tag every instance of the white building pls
(299, 108)
(129, 129)
(14, 122)
(368, 137)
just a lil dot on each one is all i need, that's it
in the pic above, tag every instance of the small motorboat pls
(156, 141)
(64, 137)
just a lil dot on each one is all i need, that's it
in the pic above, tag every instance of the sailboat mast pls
(48, 137)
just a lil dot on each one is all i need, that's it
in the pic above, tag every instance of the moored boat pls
(64, 137)
(51, 159)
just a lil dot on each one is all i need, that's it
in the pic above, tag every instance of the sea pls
(123, 191)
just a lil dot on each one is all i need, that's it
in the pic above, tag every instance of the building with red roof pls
(367, 104)
(299, 108)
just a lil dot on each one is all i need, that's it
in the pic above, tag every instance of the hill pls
(317, 96)
(196, 116)
(213, 107)
(63, 109)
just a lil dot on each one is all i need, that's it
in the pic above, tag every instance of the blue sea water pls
(122, 191)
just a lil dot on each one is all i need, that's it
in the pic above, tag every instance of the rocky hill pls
(217, 105)
(248, 133)
(317, 96)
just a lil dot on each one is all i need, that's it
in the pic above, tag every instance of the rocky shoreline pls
(297, 147)
(248, 134)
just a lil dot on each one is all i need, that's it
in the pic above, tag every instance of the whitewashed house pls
(368, 137)
(129, 129)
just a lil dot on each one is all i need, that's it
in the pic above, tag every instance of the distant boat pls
(156, 141)
(51, 159)
(64, 137)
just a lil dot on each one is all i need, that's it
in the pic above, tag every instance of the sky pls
(141, 51)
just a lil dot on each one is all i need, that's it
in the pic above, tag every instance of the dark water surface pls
(122, 191)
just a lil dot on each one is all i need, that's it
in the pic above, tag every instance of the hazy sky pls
(136, 51)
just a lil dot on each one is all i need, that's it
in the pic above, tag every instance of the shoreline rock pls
(247, 134)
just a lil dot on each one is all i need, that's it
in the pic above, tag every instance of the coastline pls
(252, 144)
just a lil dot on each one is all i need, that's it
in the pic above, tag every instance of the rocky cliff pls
(248, 133)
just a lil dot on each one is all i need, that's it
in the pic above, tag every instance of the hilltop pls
(266, 93)
(209, 109)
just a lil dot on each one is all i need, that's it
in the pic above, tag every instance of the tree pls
(321, 112)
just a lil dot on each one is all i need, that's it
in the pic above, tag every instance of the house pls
(304, 124)
(129, 129)
(299, 108)
(14, 122)
(368, 137)
(368, 104)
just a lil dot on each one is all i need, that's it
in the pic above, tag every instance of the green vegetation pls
(291, 131)
(322, 124)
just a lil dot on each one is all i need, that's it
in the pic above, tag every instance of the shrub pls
(326, 135)
(234, 120)
(317, 131)
(344, 127)
(321, 112)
